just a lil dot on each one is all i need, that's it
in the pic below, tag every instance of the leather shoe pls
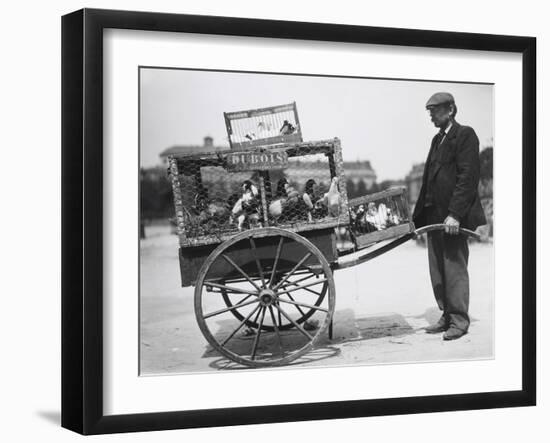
(453, 333)
(435, 329)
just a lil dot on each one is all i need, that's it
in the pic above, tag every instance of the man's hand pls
(451, 225)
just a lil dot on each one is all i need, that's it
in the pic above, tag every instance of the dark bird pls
(285, 199)
(246, 208)
(287, 128)
(308, 198)
(210, 212)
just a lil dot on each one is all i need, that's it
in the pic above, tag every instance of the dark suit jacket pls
(452, 172)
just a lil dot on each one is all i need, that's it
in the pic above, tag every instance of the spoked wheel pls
(255, 292)
(282, 322)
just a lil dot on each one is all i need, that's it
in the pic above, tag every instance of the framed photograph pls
(270, 221)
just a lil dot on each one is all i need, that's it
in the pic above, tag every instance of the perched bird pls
(287, 128)
(371, 216)
(285, 199)
(246, 208)
(275, 208)
(210, 214)
(360, 220)
(393, 218)
(383, 216)
(356, 216)
(308, 197)
(332, 198)
(377, 216)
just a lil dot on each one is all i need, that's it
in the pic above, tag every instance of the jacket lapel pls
(451, 135)
(437, 151)
(427, 168)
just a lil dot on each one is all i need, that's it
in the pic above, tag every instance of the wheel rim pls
(274, 295)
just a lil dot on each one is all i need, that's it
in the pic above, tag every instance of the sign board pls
(257, 161)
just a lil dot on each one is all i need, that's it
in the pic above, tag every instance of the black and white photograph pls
(299, 221)
(275, 221)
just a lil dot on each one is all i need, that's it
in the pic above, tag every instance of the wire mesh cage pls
(297, 186)
(264, 126)
(380, 216)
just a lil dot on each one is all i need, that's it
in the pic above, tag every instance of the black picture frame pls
(82, 218)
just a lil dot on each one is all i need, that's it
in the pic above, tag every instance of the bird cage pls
(299, 187)
(264, 126)
(380, 216)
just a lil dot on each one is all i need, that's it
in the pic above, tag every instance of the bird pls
(286, 197)
(247, 206)
(210, 213)
(308, 197)
(332, 198)
(275, 208)
(287, 128)
(382, 216)
(362, 220)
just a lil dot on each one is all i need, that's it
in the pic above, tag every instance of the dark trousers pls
(448, 260)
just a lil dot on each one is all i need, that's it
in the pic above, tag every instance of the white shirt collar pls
(448, 128)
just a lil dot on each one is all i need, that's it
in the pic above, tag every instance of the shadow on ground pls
(432, 315)
(346, 328)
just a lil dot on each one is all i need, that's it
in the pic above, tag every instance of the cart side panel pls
(192, 258)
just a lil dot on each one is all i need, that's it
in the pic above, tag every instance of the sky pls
(381, 120)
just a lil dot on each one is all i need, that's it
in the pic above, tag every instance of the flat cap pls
(439, 98)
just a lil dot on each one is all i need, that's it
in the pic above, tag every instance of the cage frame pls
(367, 239)
(295, 137)
(332, 148)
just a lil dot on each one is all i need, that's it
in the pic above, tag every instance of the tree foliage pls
(156, 200)
(486, 163)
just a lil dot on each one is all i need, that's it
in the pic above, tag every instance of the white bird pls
(332, 198)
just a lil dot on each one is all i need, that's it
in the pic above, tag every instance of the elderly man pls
(449, 195)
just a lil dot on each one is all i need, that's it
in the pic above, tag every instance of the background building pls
(207, 146)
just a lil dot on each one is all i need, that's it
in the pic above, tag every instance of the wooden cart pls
(264, 288)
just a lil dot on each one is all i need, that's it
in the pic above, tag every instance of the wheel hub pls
(267, 297)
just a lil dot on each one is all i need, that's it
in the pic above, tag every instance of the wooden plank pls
(397, 190)
(259, 160)
(340, 173)
(278, 139)
(365, 240)
(261, 111)
(178, 199)
(264, 200)
(267, 184)
(329, 222)
(228, 128)
(296, 118)
(293, 149)
(191, 259)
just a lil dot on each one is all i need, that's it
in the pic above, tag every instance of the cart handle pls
(441, 226)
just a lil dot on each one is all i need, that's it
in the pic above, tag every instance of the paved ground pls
(381, 308)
